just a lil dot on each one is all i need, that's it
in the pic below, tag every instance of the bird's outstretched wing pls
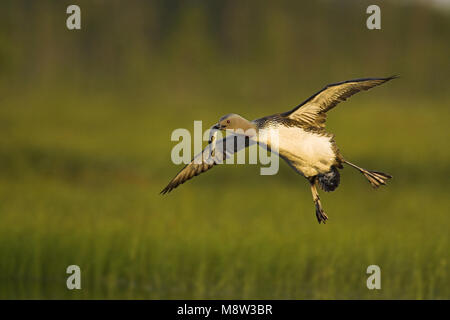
(224, 149)
(313, 110)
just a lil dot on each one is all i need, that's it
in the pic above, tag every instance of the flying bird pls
(303, 141)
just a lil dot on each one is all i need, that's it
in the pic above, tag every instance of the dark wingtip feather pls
(361, 80)
(395, 76)
(166, 190)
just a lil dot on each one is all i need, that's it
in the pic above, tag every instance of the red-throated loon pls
(302, 141)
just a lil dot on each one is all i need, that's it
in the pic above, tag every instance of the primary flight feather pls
(303, 142)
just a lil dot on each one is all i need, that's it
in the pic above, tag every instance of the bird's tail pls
(375, 178)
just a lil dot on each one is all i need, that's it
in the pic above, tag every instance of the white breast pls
(308, 152)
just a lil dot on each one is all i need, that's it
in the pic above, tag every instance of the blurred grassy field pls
(79, 186)
(83, 158)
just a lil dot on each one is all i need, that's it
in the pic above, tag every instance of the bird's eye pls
(228, 121)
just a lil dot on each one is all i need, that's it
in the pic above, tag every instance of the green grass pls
(79, 184)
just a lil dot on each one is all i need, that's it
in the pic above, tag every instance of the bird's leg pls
(320, 214)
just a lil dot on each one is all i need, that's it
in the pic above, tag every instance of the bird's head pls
(234, 121)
